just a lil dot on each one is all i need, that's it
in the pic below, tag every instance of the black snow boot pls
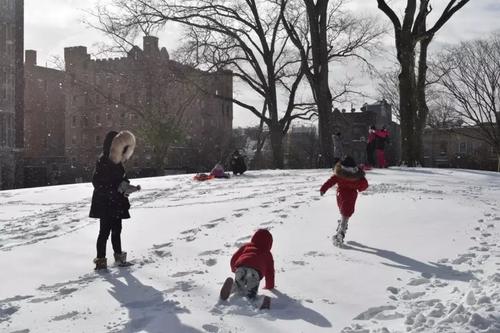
(121, 258)
(100, 263)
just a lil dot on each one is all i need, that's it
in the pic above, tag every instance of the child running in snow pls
(252, 262)
(350, 180)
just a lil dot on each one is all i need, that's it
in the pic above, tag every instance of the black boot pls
(100, 263)
(121, 258)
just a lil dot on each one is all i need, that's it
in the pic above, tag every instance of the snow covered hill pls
(422, 255)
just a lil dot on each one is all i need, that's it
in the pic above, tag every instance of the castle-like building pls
(69, 112)
(11, 89)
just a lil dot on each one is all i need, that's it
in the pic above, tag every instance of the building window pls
(443, 148)
(462, 147)
(73, 121)
(123, 98)
(73, 140)
(97, 140)
(97, 120)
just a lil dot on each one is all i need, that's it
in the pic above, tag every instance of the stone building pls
(11, 88)
(144, 92)
(354, 126)
(44, 161)
(457, 148)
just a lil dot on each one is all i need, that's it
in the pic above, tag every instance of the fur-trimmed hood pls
(122, 147)
(348, 173)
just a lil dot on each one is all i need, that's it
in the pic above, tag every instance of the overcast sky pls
(51, 25)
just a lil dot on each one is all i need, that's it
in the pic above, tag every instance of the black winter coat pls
(238, 164)
(107, 202)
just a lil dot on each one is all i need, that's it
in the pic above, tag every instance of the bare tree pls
(241, 35)
(409, 33)
(441, 111)
(470, 74)
(323, 32)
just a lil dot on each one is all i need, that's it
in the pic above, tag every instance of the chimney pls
(150, 45)
(30, 58)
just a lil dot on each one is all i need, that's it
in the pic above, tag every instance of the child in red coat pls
(350, 180)
(252, 262)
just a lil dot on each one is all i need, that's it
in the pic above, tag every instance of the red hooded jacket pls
(348, 186)
(257, 255)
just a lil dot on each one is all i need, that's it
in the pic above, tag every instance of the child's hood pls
(355, 174)
(262, 239)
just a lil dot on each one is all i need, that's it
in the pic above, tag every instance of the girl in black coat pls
(110, 198)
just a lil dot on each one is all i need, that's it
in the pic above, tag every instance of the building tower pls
(11, 88)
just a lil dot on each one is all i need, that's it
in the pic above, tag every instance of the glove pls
(123, 186)
(131, 189)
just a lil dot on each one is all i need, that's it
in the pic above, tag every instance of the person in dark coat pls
(110, 198)
(350, 179)
(251, 263)
(338, 147)
(370, 147)
(238, 163)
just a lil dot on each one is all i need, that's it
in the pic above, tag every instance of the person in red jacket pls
(250, 264)
(381, 138)
(350, 180)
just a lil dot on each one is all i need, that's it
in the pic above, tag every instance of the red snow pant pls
(381, 158)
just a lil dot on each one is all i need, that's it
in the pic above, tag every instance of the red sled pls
(202, 177)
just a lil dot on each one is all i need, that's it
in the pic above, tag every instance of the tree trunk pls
(408, 105)
(276, 135)
(318, 79)
(325, 131)
(422, 108)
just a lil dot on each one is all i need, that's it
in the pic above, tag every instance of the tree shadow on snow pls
(427, 270)
(286, 308)
(148, 311)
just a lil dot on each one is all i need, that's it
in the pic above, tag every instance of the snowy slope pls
(422, 256)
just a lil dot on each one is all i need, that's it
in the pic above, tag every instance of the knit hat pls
(348, 162)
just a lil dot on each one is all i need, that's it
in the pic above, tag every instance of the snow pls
(422, 254)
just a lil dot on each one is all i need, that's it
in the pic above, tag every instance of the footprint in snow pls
(65, 316)
(159, 246)
(210, 328)
(314, 254)
(162, 254)
(210, 252)
(268, 223)
(181, 274)
(210, 262)
(372, 312)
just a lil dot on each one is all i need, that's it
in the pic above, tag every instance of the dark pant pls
(113, 226)
(370, 154)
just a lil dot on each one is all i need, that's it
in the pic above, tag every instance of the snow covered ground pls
(422, 255)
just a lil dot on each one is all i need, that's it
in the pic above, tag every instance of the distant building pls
(11, 88)
(138, 92)
(354, 126)
(457, 148)
(44, 159)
